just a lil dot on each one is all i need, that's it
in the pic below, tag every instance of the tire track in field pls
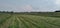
(6, 23)
(26, 23)
(38, 23)
(33, 23)
(45, 22)
(5, 20)
(19, 22)
(15, 23)
(50, 23)
(20, 19)
(42, 18)
(29, 19)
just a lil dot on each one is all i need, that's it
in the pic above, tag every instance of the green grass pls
(42, 20)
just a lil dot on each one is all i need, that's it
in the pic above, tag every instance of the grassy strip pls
(37, 22)
(50, 23)
(7, 23)
(23, 21)
(33, 23)
(4, 19)
(15, 24)
(42, 19)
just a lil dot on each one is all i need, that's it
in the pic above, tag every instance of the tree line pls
(6, 12)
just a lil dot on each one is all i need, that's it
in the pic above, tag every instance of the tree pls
(57, 11)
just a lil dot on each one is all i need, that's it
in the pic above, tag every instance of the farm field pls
(29, 21)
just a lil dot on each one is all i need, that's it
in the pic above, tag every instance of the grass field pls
(42, 20)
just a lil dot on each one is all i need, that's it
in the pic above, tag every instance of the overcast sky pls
(29, 5)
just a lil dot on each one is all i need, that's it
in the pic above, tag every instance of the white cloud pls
(23, 8)
(27, 8)
(58, 2)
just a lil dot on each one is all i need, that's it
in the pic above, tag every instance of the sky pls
(29, 5)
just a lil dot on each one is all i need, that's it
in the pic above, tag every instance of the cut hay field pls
(28, 21)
